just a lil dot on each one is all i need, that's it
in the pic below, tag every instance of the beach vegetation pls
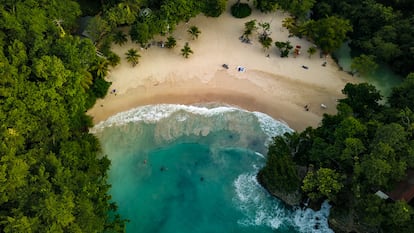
(214, 8)
(299, 8)
(186, 50)
(290, 24)
(194, 32)
(249, 28)
(120, 37)
(113, 59)
(364, 64)
(266, 6)
(241, 10)
(171, 42)
(284, 48)
(328, 33)
(97, 28)
(141, 33)
(101, 67)
(265, 41)
(311, 51)
(132, 56)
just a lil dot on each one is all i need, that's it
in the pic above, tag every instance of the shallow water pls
(192, 169)
(384, 79)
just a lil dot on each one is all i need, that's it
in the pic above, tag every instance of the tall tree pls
(328, 33)
(364, 64)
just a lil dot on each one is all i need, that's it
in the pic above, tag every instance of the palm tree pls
(186, 51)
(120, 38)
(289, 23)
(194, 32)
(86, 80)
(249, 28)
(311, 51)
(132, 56)
(266, 42)
(171, 42)
(101, 68)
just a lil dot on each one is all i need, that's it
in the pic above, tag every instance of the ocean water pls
(177, 168)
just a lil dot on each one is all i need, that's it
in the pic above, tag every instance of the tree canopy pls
(52, 178)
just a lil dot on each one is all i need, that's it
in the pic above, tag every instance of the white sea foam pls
(261, 209)
(271, 126)
(155, 113)
(311, 221)
(257, 206)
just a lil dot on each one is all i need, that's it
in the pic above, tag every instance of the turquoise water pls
(193, 169)
(384, 79)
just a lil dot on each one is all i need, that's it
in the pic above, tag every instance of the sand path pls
(276, 86)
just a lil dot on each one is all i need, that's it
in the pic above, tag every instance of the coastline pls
(279, 87)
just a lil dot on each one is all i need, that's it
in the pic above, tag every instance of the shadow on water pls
(384, 79)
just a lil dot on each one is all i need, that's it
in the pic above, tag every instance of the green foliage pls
(311, 50)
(380, 28)
(266, 6)
(214, 8)
(175, 11)
(241, 10)
(249, 28)
(266, 42)
(299, 8)
(120, 37)
(324, 183)
(51, 179)
(132, 56)
(280, 172)
(140, 33)
(113, 59)
(101, 68)
(97, 28)
(328, 33)
(194, 32)
(364, 64)
(362, 98)
(171, 42)
(125, 12)
(284, 48)
(186, 50)
(402, 96)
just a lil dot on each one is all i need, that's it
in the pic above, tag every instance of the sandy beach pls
(279, 87)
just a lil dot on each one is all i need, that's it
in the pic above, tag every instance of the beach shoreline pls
(279, 87)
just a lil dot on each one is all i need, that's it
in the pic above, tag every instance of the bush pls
(214, 8)
(241, 10)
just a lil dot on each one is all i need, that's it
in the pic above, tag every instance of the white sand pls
(277, 86)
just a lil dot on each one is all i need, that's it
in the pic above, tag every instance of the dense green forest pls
(52, 178)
